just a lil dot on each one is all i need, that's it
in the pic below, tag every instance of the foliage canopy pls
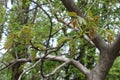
(33, 30)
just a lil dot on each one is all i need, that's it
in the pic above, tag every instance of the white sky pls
(9, 4)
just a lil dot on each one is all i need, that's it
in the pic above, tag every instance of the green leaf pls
(62, 40)
(33, 54)
(2, 15)
(9, 41)
(40, 46)
(90, 13)
(72, 14)
(110, 32)
(26, 33)
(72, 47)
(82, 20)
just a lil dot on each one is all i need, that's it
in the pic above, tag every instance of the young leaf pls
(110, 32)
(91, 32)
(40, 46)
(90, 13)
(110, 38)
(96, 18)
(72, 47)
(2, 14)
(75, 22)
(9, 41)
(82, 20)
(63, 40)
(33, 54)
(72, 14)
(26, 34)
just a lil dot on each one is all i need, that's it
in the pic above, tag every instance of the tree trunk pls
(16, 71)
(102, 68)
(23, 18)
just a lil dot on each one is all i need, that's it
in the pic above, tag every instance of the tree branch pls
(28, 69)
(56, 69)
(99, 42)
(79, 66)
(70, 5)
(96, 39)
(115, 46)
(76, 64)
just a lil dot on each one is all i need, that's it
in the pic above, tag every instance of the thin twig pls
(56, 69)
(48, 41)
(8, 65)
(90, 7)
(29, 69)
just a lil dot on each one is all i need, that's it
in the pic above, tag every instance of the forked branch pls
(76, 64)
(115, 46)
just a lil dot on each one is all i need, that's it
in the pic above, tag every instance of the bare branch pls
(28, 69)
(56, 69)
(76, 64)
(79, 66)
(88, 39)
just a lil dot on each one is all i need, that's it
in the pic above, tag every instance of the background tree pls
(60, 39)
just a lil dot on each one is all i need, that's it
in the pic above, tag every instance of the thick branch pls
(99, 42)
(70, 5)
(82, 68)
(76, 64)
(115, 46)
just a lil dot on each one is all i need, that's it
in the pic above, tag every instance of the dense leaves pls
(37, 28)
